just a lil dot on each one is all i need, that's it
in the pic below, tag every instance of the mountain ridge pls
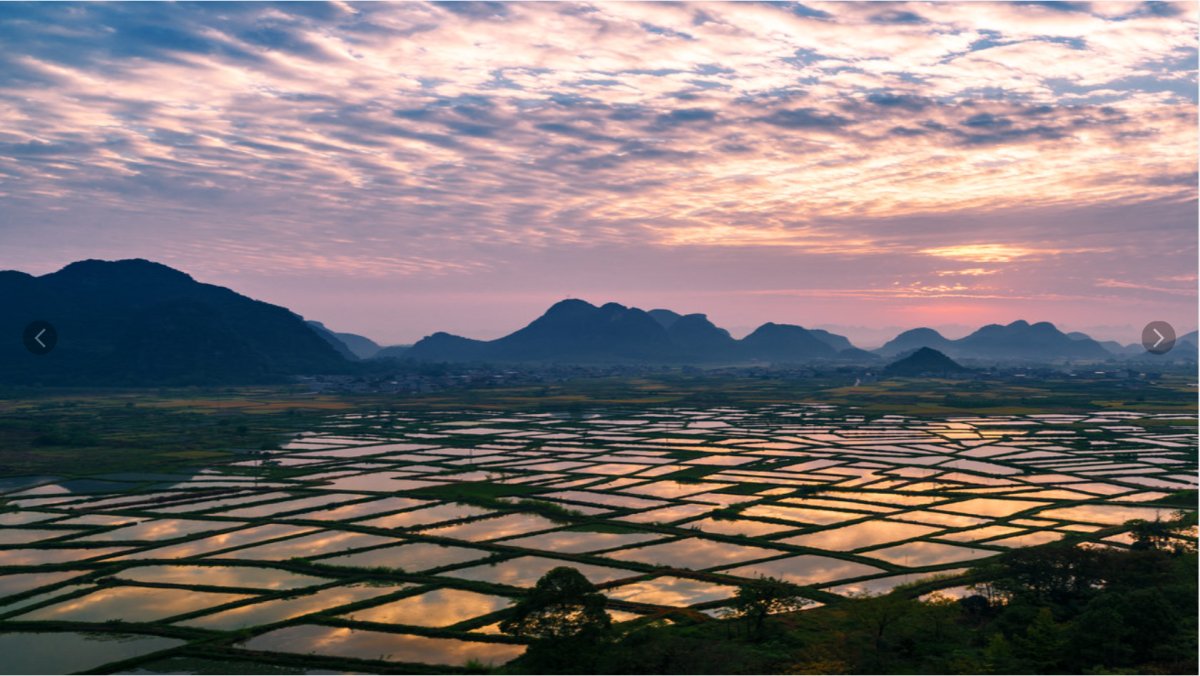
(134, 321)
(1018, 340)
(575, 330)
(139, 321)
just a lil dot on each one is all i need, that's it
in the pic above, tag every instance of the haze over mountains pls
(574, 330)
(137, 322)
(1018, 340)
(923, 362)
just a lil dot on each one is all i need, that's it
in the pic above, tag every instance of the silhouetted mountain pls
(574, 331)
(854, 354)
(913, 339)
(1019, 340)
(1111, 346)
(665, 317)
(784, 343)
(349, 345)
(1115, 348)
(924, 361)
(1185, 349)
(700, 339)
(393, 352)
(443, 346)
(331, 338)
(1022, 340)
(137, 322)
(577, 331)
(838, 343)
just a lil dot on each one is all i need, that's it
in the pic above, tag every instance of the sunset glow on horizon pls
(400, 169)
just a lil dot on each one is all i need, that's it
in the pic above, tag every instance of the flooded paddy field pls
(404, 538)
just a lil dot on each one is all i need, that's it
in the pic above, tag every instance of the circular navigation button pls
(1158, 337)
(40, 337)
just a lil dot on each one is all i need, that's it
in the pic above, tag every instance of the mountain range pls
(576, 331)
(349, 345)
(1022, 341)
(139, 322)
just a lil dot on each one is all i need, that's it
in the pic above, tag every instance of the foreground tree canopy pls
(1059, 608)
(563, 605)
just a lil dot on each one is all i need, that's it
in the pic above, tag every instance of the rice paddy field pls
(398, 541)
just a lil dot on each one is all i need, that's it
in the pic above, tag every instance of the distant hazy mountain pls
(138, 322)
(784, 343)
(913, 339)
(349, 345)
(443, 346)
(924, 361)
(700, 339)
(1019, 340)
(665, 317)
(854, 354)
(393, 352)
(1112, 346)
(1185, 350)
(1022, 340)
(838, 343)
(1185, 347)
(577, 331)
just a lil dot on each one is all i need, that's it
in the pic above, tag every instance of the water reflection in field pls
(671, 591)
(693, 553)
(805, 569)
(253, 577)
(576, 541)
(526, 570)
(131, 604)
(860, 535)
(71, 652)
(437, 608)
(267, 612)
(431, 519)
(918, 554)
(413, 557)
(339, 641)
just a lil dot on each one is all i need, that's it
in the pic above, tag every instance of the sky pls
(400, 169)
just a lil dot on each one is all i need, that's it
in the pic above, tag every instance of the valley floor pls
(394, 536)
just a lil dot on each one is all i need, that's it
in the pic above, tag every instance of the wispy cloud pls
(409, 139)
(999, 253)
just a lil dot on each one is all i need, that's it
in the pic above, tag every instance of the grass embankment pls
(71, 431)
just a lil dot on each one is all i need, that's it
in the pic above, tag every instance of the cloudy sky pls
(396, 169)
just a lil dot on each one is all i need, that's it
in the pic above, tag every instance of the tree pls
(765, 596)
(1042, 645)
(1056, 573)
(563, 605)
(1177, 535)
(880, 615)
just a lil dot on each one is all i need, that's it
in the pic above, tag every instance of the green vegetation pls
(361, 500)
(764, 597)
(86, 432)
(564, 620)
(1051, 609)
(51, 430)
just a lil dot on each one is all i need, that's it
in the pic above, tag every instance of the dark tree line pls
(1059, 608)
